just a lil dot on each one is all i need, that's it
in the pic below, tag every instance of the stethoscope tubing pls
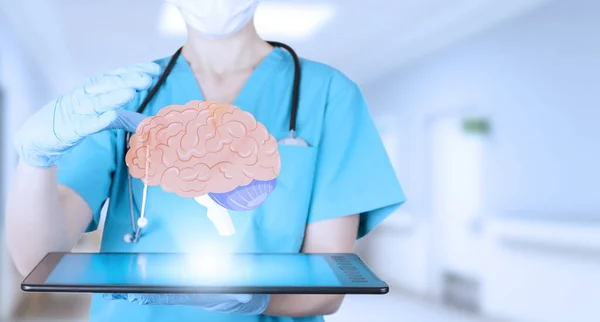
(295, 99)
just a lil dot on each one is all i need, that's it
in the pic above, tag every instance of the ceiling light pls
(291, 19)
(171, 22)
(273, 19)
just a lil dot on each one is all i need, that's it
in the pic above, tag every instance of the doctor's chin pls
(300, 161)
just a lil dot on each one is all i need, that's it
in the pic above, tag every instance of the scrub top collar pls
(263, 72)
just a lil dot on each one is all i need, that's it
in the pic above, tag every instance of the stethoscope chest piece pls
(292, 140)
(128, 238)
(134, 236)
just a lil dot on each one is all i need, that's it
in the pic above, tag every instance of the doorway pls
(457, 150)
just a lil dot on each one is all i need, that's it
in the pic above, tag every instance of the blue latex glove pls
(225, 303)
(94, 107)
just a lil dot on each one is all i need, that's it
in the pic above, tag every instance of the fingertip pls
(154, 68)
(124, 96)
(137, 81)
(136, 299)
(107, 118)
(147, 81)
(113, 296)
(113, 100)
(244, 298)
(150, 68)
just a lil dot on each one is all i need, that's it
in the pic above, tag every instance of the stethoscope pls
(292, 139)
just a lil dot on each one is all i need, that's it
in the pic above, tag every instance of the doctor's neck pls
(241, 51)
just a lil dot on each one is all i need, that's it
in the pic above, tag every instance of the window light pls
(273, 19)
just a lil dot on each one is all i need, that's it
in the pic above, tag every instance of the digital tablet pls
(203, 273)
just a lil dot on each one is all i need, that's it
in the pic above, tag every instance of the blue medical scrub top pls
(344, 171)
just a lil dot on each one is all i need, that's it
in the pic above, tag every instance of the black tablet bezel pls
(35, 281)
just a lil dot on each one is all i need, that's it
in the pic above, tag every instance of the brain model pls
(205, 148)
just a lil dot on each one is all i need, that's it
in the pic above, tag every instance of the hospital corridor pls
(488, 111)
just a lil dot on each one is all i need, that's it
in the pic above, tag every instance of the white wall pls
(23, 92)
(536, 78)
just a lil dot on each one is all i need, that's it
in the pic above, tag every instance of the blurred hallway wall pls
(535, 78)
(23, 92)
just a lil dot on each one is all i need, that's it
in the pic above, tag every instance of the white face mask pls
(216, 18)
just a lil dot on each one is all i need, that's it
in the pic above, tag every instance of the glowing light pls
(171, 22)
(291, 19)
(273, 19)
(209, 267)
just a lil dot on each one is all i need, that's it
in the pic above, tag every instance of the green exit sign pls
(479, 126)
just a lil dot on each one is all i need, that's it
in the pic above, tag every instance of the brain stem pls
(218, 215)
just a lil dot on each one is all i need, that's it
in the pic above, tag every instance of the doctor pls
(328, 194)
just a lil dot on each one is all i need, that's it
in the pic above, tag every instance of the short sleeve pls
(353, 172)
(88, 170)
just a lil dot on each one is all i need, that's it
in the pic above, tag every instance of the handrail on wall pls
(577, 237)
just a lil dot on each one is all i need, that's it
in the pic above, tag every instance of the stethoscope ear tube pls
(296, 85)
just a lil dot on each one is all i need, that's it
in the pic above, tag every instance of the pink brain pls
(202, 147)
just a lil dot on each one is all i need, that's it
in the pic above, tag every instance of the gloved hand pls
(225, 303)
(65, 122)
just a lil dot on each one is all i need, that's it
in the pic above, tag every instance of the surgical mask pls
(216, 18)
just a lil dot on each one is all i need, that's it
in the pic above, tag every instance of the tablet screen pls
(156, 272)
(186, 270)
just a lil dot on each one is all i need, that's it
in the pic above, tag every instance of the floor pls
(398, 307)
(391, 307)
